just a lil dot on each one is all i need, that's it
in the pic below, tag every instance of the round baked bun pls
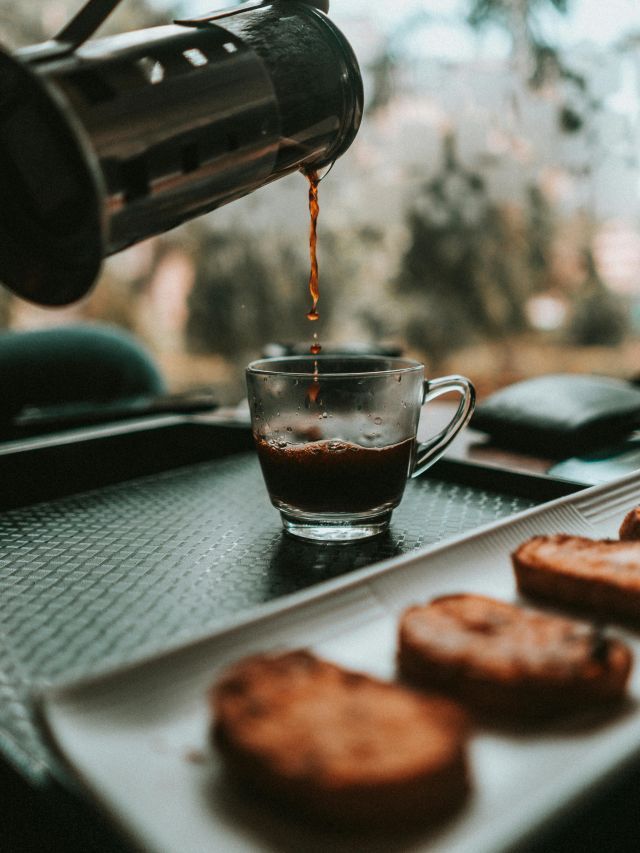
(340, 746)
(504, 660)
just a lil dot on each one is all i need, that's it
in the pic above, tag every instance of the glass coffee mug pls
(336, 438)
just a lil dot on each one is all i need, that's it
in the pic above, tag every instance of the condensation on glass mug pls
(336, 438)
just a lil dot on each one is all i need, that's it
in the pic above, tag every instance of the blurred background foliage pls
(486, 218)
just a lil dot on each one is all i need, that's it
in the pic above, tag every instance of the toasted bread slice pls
(630, 527)
(600, 576)
(337, 745)
(510, 661)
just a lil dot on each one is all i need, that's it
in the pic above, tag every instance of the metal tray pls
(119, 540)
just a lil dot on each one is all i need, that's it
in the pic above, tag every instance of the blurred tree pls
(382, 69)
(600, 317)
(226, 296)
(465, 270)
(541, 227)
(385, 63)
(502, 11)
(245, 296)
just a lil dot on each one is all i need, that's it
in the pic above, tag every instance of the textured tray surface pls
(101, 578)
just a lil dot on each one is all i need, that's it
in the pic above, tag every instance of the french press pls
(104, 142)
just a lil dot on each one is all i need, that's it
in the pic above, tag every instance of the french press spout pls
(105, 142)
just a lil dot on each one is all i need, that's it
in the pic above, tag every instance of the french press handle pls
(80, 28)
(95, 12)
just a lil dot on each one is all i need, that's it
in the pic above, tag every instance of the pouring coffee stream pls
(314, 209)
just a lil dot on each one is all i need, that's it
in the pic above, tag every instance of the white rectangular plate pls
(138, 737)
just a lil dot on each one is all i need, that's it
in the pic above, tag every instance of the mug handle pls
(430, 451)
